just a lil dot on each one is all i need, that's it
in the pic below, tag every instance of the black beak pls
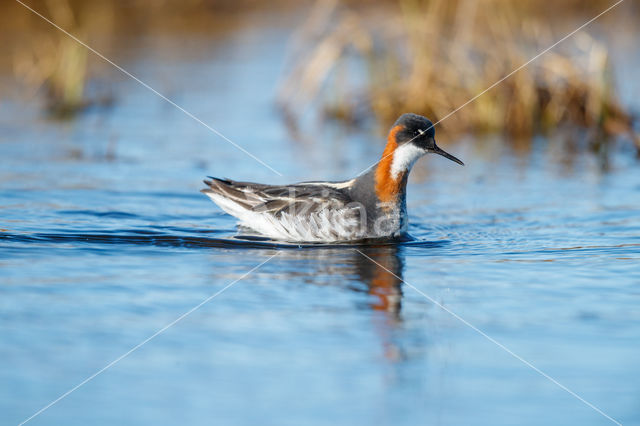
(438, 150)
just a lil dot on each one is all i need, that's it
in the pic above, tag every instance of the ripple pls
(110, 214)
(148, 237)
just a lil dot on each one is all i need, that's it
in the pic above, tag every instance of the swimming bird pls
(372, 205)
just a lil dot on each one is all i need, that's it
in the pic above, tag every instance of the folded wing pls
(301, 212)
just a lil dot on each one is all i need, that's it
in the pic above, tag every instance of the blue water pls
(105, 240)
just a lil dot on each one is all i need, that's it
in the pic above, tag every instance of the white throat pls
(404, 157)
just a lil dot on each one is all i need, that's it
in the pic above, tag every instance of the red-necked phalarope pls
(372, 205)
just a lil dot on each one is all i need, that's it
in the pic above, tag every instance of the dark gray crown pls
(415, 128)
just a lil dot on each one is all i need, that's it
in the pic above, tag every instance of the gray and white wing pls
(302, 212)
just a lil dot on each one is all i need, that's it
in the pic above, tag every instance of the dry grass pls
(430, 57)
(53, 65)
(56, 62)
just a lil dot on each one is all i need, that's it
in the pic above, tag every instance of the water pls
(106, 240)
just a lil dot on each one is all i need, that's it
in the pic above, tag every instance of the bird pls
(371, 206)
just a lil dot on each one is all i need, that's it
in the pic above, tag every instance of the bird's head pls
(411, 137)
(416, 131)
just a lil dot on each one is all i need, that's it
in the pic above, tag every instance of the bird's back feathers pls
(308, 211)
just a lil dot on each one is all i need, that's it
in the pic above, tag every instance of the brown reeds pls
(56, 62)
(431, 57)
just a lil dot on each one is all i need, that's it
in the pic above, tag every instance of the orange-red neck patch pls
(388, 188)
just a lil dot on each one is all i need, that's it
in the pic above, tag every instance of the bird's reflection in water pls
(380, 269)
(378, 273)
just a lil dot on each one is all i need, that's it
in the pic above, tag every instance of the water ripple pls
(148, 237)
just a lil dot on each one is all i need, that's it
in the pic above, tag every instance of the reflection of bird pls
(376, 286)
(376, 270)
(369, 278)
(383, 277)
(372, 205)
(382, 271)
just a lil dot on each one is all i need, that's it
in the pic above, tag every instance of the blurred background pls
(104, 237)
(346, 64)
